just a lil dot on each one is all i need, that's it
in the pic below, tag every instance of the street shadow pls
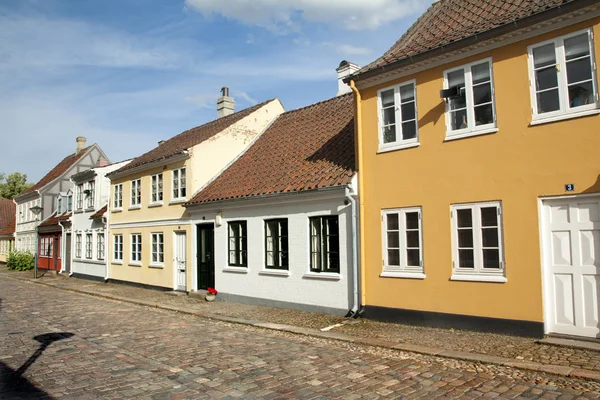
(595, 188)
(45, 340)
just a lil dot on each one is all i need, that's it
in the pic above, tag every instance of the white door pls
(180, 262)
(571, 240)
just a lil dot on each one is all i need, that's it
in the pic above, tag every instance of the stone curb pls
(558, 370)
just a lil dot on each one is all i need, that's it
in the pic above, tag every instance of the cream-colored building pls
(149, 229)
(7, 228)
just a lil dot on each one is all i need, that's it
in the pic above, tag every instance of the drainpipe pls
(106, 242)
(353, 312)
(63, 245)
(359, 156)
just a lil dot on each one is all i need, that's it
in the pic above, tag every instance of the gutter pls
(473, 39)
(356, 304)
(179, 156)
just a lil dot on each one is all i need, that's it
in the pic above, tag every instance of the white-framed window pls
(118, 247)
(88, 246)
(79, 195)
(69, 202)
(325, 244)
(477, 241)
(118, 196)
(562, 75)
(90, 194)
(472, 110)
(157, 188)
(179, 191)
(78, 245)
(157, 248)
(100, 246)
(403, 242)
(136, 192)
(398, 126)
(136, 247)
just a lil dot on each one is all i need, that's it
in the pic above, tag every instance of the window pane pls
(270, 259)
(491, 258)
(465, 238)
(456, 78)
(394, 257)
(581, 94)
(393, 239)
(392, 222)
(407, 93)
(577, 46)
(409, 130)
(480, 72)
(465, 259)
(465, 219)
(484, 115)
(548, 101)
(544, 55)
(408, 111)
(412, 220)
(579, 70)
(389, 134)
(458, 119)
(482, 94)
(413, 258)
(412, 239)
(489, 216)
(546, 78)
(387, 98)
(490, 237)
(389, 116)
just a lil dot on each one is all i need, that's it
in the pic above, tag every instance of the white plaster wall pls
(297, 287)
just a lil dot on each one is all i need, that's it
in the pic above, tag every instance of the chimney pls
(345, 69)
(102, 162)
(81, 141)
(225, 104)
(160, 142)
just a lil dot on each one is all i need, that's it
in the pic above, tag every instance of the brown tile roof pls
(304, 149)
(8, 211)
(100, 212)
(177, 144)
(57, 171)
(55, 219)
(449, 21)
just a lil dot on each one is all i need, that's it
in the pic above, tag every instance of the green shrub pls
(20, 261)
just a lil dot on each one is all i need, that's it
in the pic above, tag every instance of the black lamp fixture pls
(36, 210)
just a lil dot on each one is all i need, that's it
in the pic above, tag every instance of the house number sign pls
(570, 187)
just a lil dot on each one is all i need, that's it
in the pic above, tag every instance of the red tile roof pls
(100, 212)
(177, 144)
(449, 21)
(8, 214)
(57, 171)
(55, 219)
(304, 149)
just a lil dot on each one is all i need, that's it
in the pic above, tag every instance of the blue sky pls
(128, 73)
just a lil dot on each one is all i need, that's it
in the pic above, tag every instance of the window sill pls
(386, 149)
(135, 264)
(136, 207)
(450, 137)
(236, 270)
(177, 201)
(327, 276)
(90, 209)
(156, 265)
(79, 211)
(155, 204)
(88, 261)
(116, 210)
(405, 275)
(274, 272)
(116, 262)
(562, 117)
(479, 278)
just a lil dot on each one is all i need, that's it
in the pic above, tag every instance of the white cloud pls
(283, 15)
(350, 50)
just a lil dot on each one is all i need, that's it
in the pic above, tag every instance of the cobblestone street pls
(91, 348)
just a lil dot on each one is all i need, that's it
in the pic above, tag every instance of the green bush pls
(20, 261)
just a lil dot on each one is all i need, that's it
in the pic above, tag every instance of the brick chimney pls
(225, 104)
(81, 141)
(345, 69)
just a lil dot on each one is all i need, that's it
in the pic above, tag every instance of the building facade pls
(480, 189)
(7, 228)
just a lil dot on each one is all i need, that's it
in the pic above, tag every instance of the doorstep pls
(572, 342)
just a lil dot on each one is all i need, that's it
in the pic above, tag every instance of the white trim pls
(273, 272)
(407, 275)
(471, 134)
(117, 262)
(563, 117)
(178, 201)
(156, 265)
(138, 187)
(399, 142)
(155, 204)
(569, 196)
(151, 165)
(326, 276)
(136, 207)
(397, 147)
(236, 270)
(116, 210)
(402, 247)
(147, 224)
(134, 263)
(478, 278)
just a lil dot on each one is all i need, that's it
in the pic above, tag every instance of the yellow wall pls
(516, 165)
(6, 245)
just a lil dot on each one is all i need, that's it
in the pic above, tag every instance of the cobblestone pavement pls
(90, 348)
(475, 342)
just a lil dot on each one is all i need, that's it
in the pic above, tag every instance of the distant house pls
(150, 232)
(278, 226)
(46, 203)
(7, 227)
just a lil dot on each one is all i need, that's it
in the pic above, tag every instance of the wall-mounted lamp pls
(219, 219)
(36, 210)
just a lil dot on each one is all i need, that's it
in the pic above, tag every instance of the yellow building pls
(149, 229)
(8, 215)
(478, 136)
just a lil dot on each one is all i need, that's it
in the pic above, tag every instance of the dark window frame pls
(324, 237)
(241, 240)
(278, 253)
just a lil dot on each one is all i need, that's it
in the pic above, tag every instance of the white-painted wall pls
(306, 290)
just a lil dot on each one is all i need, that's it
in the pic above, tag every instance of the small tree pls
(20, 261)
(13, 185)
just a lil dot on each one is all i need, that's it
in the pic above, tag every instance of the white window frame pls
(90, 197)
(177, 193)
(79, 196)
(472, 129)
(118, 197)
(478, 273)
(156, 189)
(100, 246)
(563, 92)
(78, 244)
(399, 143)
(157, 258)
(89, 245)
(136, 193)
(403, 270)
(118, 248)
(136, 255)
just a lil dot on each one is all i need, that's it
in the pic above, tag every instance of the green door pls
(206, 263)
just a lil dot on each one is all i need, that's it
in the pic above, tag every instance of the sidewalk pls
(510, 351)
